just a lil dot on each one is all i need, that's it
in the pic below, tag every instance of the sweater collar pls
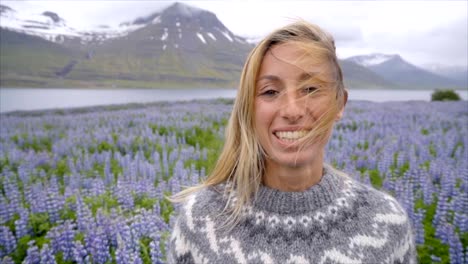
(319, 195)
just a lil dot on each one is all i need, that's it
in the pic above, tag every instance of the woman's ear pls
(339, 115)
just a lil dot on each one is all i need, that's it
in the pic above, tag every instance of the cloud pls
(347, 34)
(450, 41)
(421, 32)
(443, 44)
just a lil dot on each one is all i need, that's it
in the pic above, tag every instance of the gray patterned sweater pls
(337, 220)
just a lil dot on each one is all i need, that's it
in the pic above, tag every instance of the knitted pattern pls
(337, 220)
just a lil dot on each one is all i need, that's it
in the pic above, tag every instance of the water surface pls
(12, 99)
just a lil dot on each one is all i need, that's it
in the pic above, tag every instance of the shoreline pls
(216, 88)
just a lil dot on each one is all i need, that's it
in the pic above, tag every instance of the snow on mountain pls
(52, 27)
(182, 20)
(47, 25)
(5, 9)
(372, 59)
(397, 70)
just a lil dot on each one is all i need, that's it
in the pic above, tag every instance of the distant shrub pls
(445, 95)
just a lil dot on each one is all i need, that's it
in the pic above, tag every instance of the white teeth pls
(291, 135)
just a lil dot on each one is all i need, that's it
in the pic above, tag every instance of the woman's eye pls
(270, 92)
(309, 90)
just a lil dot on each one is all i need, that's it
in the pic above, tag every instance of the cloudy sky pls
(422, 32)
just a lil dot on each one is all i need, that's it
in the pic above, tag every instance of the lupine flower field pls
(90, 185)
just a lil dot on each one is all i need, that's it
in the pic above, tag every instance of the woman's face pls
(285, 109)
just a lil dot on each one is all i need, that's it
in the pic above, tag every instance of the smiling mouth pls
(291, 136)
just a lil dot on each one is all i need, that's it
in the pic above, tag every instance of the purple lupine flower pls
(97, 245)
(418, 225)
(436, 172)
(122, 254)
(52, 207)
(7, 241)
(7, 260)
(83, 216)
(46, 255)
(32, 256)
(67, 237)
(466, 254)
(79, 253)
(13, 195)
(460, 216)
(456, 247)
(124, 195)
(21, 225)
(126, 235)
(442, 232)
(54, 236)
(135, 259)
(4, 215)
(441, 211)
(460, 220)
(428, 190)
(155, 252)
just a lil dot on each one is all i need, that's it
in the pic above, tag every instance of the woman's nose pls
(293, 108)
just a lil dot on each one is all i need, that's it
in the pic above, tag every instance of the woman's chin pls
(293, 160)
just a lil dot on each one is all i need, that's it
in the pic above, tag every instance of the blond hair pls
(241, 162)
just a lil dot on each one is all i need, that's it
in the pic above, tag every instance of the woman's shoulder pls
(195, 216)
(361, 192)
(381, 208)
(381, 215)
(378, 199)
(206, 200)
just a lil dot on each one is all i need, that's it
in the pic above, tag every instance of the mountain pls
(395, 69)
(359, 77)
(50, 26)
(176, 46)
(371, 59)
(459, 73)
(47, 25)
(181, 44)
(30, 61)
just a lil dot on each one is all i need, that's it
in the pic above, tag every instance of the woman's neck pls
(292, 179)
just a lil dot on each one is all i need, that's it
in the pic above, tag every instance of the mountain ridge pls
(178, 45)
(185, 46)
(395, 69)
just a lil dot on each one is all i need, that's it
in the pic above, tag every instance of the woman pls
(270, 198)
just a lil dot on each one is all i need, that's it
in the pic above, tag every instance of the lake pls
(12, 99)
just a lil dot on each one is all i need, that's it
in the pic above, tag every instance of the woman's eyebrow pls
(306, 76)
(268, 77)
